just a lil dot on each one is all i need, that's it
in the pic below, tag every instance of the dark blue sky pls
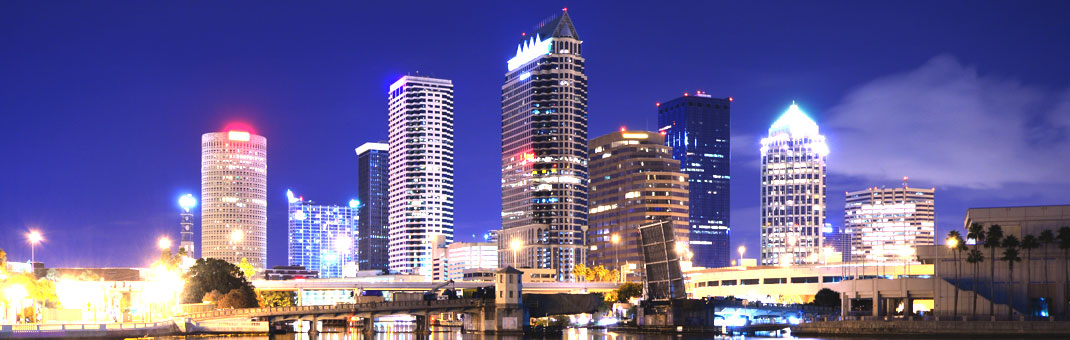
(102, 104)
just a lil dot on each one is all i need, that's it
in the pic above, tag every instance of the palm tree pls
(957, 245)
(1046, 238)
(1029, 242)
(975, 257)
(993, 239)
(1063, 236)
(1010, 254)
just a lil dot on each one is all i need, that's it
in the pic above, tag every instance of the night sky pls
(103, 103)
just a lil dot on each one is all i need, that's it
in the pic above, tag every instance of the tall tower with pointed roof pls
(793, 190)
(544, 151)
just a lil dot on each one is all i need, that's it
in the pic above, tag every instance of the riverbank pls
(933, 328)
(130, 330)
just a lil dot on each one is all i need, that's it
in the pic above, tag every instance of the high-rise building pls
(421, 172)
(187, 202)
(234, 197)
(793, 190)
(373, 161)
(888, 224)
(634, 182)
(321, 237)
(544, 151)
(697, 128)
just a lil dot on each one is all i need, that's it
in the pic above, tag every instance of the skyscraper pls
(421, 175)
(187, 202)
(321, 237)
(888, 224)
(234, 197)
(544, 151)
(793, 190)
(697, 129)
(634, 182)
(373, 192)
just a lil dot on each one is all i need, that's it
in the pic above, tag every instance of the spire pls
(795, 123)
(558, 26)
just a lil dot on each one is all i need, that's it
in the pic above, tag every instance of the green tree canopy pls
(272, 298)
(209, 275)
(827, 298)
(628, 290)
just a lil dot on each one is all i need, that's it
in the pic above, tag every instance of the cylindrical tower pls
(234, 197)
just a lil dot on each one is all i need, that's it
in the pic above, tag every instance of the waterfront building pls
(697, 127)
(634, 181)
(793, 190)
(544, 151)
(234, 197)
(187, 202)
(321, 237)
(888, 224)
(464, 257)
(421, 176)
(373, 161)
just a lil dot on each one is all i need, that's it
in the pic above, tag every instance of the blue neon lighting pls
(529, 50)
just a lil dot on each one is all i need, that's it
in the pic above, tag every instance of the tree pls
(993, 239)
(3, 261)
(274, 298)
(1010, 254)
(975, 257)
(827, 298)
(1029, 242)
(238, 298)
(600, 274)
(580, 271)
(629, 290)
(247, 269)
(216, 275)
(1047, 237)
(960, 246)
(1063, 235)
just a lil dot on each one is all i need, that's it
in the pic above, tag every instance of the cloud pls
(946, 124)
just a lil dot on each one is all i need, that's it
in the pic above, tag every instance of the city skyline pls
(148, 208)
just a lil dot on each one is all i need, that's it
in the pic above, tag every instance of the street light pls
(742, 249)
(164, 243)
(515, 245)
(616, 251)
(34, 237)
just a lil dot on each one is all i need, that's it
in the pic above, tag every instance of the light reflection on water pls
(570, 334)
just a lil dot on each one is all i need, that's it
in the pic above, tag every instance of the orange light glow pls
(238, 136)
(529, 157)
(621, 129)
(729, 98)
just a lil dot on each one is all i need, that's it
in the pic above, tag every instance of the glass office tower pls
(544, 151)
(697, 128)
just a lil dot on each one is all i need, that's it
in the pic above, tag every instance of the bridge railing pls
(36, 328)
(337, 308)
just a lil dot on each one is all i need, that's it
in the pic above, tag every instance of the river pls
(570, 334)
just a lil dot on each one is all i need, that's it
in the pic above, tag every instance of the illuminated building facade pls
(187, 202)
(421, 172)
(234, 197)
(793, 191)
(321, 237)
(544, 151)
(373, 192)
(697, 127)
(634, 182)
(469, 256)
(888, 224)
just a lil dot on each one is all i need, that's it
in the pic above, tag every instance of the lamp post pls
(164, 243)
(616, 252)
(952, 244)
(742, 249)
(34, 237)
(515, 246)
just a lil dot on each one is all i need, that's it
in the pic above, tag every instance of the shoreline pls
(933, 328)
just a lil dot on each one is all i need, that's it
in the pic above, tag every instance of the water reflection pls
(570, 334)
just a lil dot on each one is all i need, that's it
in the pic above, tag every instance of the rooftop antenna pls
(905, 178)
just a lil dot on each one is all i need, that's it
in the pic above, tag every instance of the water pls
(570, 334)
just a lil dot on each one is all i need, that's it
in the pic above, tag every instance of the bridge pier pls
(423, 325)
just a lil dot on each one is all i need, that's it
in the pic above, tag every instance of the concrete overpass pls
(359, 284)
